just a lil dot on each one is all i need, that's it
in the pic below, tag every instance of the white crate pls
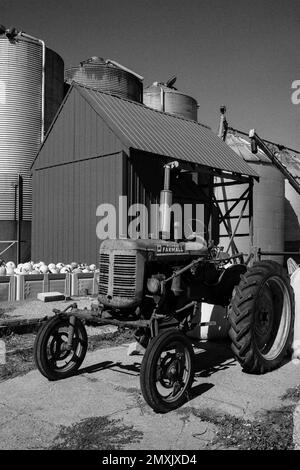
(84, 284)
(7, 288)
(29, 285)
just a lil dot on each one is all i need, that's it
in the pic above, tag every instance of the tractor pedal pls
(208, 323)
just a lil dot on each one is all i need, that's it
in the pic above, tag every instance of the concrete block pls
(50, 296)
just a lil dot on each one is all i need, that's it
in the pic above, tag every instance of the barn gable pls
(76, 134)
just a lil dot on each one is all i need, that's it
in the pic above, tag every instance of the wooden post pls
(19, 217)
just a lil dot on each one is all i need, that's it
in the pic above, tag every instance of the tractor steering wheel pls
(196, 235)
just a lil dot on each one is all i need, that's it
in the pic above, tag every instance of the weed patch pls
(271, 430)
(96, 433)
(292, 394)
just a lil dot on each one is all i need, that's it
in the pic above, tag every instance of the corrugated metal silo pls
(107, 76)
(292, 202)
(292, 219)
(21, 126)
(54, 85)
(165, 98)
(268, 202)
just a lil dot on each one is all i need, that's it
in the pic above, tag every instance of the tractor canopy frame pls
(226, 209)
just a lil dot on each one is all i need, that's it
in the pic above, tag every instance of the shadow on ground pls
(216, 356)
(210, 358)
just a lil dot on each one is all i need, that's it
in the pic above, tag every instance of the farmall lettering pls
(169, 249)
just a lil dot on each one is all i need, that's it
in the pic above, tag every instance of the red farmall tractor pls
(156, 287)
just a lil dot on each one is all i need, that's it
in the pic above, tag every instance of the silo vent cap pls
(10, 32)
(168, 84)
(97, 59)
(93, 60)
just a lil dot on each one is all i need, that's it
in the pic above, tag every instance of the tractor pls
(156, 287)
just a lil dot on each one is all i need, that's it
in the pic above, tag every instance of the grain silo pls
(31, 90)
(290, 159)
(268, 203)
(107, 76)
(164, 97)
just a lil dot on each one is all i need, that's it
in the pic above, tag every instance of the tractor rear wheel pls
(261, 316)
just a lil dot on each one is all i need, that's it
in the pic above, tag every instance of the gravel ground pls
(36, 309)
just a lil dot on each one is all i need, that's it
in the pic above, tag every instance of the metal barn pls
(101, 146)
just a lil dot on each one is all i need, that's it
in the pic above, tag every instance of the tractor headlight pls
(153, 285)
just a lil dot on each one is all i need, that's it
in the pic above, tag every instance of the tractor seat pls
(229, 277)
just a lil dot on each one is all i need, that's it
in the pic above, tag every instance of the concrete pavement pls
(32, 409)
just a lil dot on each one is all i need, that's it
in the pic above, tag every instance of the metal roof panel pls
(240, 143)
(149, 130)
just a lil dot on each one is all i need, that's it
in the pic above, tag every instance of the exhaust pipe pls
(223, 125)
(166, 200)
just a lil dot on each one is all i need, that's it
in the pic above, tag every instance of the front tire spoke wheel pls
(52, 356)
(167, 371)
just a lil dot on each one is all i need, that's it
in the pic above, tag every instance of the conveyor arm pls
(256, 141)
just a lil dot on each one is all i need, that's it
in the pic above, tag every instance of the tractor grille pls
(124, 276)
(118, 279)
(104, 274)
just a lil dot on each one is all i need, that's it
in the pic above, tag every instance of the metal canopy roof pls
(242, 146)
(142, 128)
(289, 158)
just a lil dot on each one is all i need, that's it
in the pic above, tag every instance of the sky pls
(241, 53)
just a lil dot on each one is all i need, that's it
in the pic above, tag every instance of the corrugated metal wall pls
(65, 202)
(79, 168)
(144, 179)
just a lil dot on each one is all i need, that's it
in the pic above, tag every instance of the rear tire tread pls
(241, 314)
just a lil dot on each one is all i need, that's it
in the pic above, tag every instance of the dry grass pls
(96, 433)
(20, 350)
(271, 430)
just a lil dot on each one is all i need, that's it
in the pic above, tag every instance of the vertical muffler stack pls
(166, 200)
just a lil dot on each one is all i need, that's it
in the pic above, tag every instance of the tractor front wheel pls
(54, 359)
(261, 316)
(167, 371)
